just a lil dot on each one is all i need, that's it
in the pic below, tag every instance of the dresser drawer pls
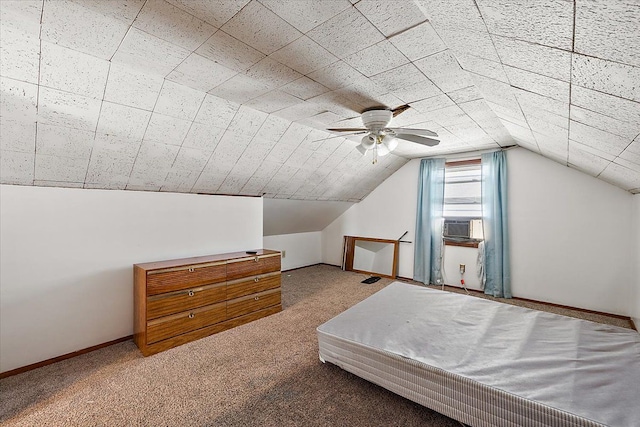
(245, 267)
(250, 303)
(174, 302)
(173, 279)
(241, 287)
(169, 326)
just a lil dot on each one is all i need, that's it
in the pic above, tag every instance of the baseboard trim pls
(583, 310)
(63, 357)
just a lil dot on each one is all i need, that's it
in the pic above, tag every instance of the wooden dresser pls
(182, 300)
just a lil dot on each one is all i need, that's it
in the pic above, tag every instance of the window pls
(463, 203)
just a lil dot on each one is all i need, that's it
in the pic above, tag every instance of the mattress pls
(486, 363)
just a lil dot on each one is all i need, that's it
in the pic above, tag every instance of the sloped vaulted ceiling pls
(233, 96)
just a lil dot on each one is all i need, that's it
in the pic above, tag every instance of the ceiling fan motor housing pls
(376, 119)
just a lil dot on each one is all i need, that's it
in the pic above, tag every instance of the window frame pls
(471, 242)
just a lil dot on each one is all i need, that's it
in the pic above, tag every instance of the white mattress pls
(486, 363)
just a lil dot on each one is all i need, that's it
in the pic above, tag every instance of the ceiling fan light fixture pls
(382, 150)
(361, 149)
(390, 142)
(368, 142)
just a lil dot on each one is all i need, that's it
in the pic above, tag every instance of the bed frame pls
(486, 363)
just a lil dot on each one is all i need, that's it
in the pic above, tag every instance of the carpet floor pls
(265, 373)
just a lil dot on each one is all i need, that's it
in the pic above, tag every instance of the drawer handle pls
(192, 315)
(256, 298)
(191, 293)
(257, 279)
(191, 269)
(256, 259)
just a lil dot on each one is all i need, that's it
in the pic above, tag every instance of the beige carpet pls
(265, 373)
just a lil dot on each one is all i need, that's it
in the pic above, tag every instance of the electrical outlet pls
(462, 268)
(284, 254)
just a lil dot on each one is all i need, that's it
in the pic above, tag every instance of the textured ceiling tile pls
(543, 127)
(200, 73)
(621, 176)
(229, 52)
(23, 14)
(603, 141)
(469, 42)
(593, 151)
(215, 14)
(391, 17)
(64, 142)
(149, 53)
(496, 91)
(304, 55)
(166, 130)
(407, 83)
(448, 116)
(544, 103)
(306, 14)
(132, 87)
(300, 111)
(539, 84)
(180, 180)
(272, 129)
(375, 59)
(20, 54)
(483, 67)
(272, 73)
(247, 121)
(466, 94)
(629, 159)
(443, 69)
(585, 160)
(459, 13)
(418, 42)
(122, 121)
(609, 124)
(547, 116)
(152, 164)
(203, 136)
(543, 60)
(548, 22)
(608, 30)
(124, 10)
(192, 159)
(346, 33)
(179, 101)
(111, 161)
(273, 101)
(67, 109)
(16, 167)
(259, 27)
(18, 100)
(433, 103)
(73, 71)
(337, 75)
(62, 169)
(514, 116)
(304, 88)
(240, 88)
(216, 111)
(605, 76)
(71, 25)
(17, 135)
(608, 105)
(172, 24)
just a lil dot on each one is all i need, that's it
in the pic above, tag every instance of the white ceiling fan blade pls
(348, 130)
(418, 139)
(341, 136)
(423, 132)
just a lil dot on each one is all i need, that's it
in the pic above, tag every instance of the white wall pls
(386, 213)
(635, 299)
(302, 249)
(289, 216)
(66, 256)
(570, 236)
(453, 257)
(374, 257)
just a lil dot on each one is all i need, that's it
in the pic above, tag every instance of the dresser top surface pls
(203, 259)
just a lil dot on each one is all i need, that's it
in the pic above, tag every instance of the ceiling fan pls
(382, 139)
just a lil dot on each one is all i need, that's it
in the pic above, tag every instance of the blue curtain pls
(427, 256)
(494, 219)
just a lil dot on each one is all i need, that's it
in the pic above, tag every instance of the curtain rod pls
(464, 155)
